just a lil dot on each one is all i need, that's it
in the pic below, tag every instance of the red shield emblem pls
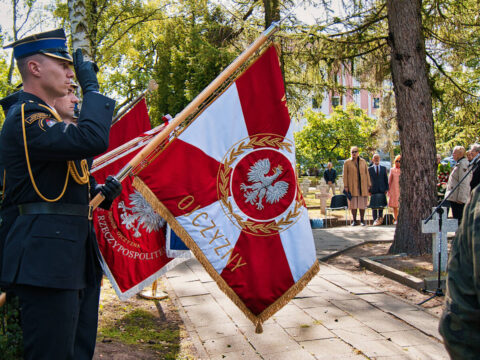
(263, 184)
(257, 185)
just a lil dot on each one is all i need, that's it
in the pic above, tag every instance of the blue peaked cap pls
(50, 43)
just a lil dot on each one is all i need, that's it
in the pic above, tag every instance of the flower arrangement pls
(443, 172)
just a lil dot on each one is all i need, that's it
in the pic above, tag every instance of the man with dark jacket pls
(475, 150)
(379, 180)
(330, 175)
(50, 256)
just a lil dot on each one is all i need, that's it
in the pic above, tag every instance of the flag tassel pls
(259, 328)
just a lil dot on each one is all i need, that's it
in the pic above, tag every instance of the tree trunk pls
(15, 38)
(272, 11)
(415, 125)
(77, 11)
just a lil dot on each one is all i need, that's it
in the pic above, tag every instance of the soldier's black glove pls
(86, 72)
(111, 189)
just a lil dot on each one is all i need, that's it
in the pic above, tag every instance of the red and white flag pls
(131, 235)
(231, 193)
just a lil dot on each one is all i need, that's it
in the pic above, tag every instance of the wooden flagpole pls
(190, 108)
(3, 299)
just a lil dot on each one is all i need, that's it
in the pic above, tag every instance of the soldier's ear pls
(33, 67)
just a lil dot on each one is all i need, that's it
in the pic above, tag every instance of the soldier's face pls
(65, 106)
(56, 75)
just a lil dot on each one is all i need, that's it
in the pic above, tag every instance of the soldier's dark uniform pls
(50, 254)
(460, 322)
(7, 215)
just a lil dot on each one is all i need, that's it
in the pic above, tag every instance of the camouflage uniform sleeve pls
(460, 324)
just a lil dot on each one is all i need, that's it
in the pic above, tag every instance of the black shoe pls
(354, 223)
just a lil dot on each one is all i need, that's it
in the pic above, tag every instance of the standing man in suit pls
(379, 180)
(50, 256)
(330, 175)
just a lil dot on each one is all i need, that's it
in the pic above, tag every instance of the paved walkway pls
(335, 317)
(330, 241)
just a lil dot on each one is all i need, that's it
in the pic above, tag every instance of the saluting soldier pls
(50, 256)
(67, 105)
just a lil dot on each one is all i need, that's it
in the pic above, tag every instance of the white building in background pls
(354, 93)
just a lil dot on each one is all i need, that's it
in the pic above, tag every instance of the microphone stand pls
(439, 210)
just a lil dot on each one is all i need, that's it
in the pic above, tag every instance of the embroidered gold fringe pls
(257, 320)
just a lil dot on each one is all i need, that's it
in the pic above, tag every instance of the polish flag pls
(232, 195)
(130, 235)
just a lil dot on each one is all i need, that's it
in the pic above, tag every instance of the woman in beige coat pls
(356, 181)
(461, 195)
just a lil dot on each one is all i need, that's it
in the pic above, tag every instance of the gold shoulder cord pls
(80, 179)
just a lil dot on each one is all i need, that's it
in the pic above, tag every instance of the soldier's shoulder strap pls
(34, 112)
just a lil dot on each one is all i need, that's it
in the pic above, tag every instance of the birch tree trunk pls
(272, 11)
(415, 125)
(77, 11)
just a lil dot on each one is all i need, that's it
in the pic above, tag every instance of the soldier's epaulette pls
(34, 112)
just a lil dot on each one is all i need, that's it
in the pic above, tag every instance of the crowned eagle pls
(263, 185)
(142, 213)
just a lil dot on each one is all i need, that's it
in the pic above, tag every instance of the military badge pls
(36, 117)
(50, 122)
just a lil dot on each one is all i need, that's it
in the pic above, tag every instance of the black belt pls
(44, 208)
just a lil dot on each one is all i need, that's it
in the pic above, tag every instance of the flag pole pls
(152, 86)
(190, 108)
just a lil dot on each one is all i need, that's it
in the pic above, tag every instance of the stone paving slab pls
(311, 332)
(331, 241)
(407, 338)
(337, 316)
(331, 349)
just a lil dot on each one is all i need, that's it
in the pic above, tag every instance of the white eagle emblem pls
(263, 185)
(141, 212)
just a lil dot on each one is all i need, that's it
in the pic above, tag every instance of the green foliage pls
(329, 139)
(5, 87)
(182, 45)
(11, 339)
(190, 54)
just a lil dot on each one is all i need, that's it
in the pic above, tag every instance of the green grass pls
(143, 327)
(414, 271)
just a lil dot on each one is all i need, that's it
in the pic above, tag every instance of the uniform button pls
(107, 105)
(57, 232)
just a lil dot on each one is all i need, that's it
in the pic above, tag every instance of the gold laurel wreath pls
(223, 185)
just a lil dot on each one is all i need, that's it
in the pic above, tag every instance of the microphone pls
(474, 161)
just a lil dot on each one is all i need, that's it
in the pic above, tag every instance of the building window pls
(335, 101)
(356, 91)
(315, 103)
(376, 103)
